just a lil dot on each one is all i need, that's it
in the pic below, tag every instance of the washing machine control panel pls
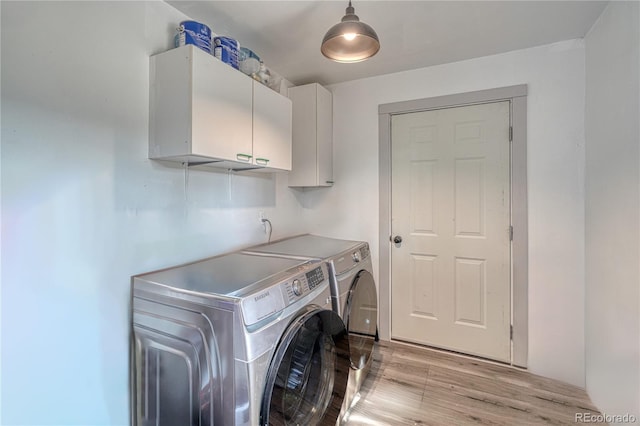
(304, 283)
(297, 288)
(314, 277)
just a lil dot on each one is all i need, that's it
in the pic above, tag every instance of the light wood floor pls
(415, 386)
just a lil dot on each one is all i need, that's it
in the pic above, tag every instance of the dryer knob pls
(356, 256)
(296, 285)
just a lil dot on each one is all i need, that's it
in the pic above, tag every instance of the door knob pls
(397, 239)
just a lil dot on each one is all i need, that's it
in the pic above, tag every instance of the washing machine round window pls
(360, 316)
(307, 378)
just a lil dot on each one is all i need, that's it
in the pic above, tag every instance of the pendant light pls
(350, 40)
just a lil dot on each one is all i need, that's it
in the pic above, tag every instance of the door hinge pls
(511, 332)
(510, 133)
(511, 233)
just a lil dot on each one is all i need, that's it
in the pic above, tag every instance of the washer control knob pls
(356, 256)
(296, 285)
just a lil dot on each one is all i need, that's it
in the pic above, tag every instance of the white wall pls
(83, 208)
(555, 78)
(612, 224)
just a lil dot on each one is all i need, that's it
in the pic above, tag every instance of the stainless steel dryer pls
(353, 292)
(237, 340)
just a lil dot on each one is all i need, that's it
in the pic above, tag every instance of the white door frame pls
(519, 267)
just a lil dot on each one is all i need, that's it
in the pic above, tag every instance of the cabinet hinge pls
(511, 233)
(510, 133)
(511, 332)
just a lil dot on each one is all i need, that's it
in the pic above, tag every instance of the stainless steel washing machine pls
(237, 340)
(353, 292)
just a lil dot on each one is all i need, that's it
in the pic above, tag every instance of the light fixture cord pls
(349, 10)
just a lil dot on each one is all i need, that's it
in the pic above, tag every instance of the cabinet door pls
(221, 110)
(312, 136)
(304, 150)
(271, 128)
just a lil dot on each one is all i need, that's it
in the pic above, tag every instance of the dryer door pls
(361, 316)
(308, 375)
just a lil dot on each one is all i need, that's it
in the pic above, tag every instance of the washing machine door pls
(360, 317)
(307, 378)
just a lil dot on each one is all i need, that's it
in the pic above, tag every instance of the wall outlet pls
(260, 216)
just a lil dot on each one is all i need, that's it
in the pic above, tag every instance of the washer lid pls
(308, 245)
(233, 275)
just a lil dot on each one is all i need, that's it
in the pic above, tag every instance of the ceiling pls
(413, 34)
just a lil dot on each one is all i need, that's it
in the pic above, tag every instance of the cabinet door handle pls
(262, 161)
(244, 157)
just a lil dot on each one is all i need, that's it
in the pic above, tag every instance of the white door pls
(451, 207)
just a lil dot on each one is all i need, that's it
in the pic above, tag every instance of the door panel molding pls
(519, 299)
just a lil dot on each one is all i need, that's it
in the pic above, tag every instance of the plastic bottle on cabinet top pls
(192, 32)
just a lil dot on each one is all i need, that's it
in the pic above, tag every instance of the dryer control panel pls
(350, 259)
(364, 251)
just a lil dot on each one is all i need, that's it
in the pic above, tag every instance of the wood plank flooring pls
(416, 386)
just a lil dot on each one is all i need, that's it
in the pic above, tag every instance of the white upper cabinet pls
(312, 148)
(204, 111)
(271, 128)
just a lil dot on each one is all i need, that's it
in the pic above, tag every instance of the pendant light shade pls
(350, 40)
